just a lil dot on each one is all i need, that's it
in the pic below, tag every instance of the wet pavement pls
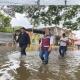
(15, 67)
(5, 37)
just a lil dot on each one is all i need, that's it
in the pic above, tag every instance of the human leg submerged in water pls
(44, 55)
(62, 50)
(23, 48)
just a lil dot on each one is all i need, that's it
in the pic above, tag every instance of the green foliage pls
(57, 19)
(19, 9)
(53, 15)
(4, 22)
(71, 12)
(70, 25)
(6, 29)
(78, 19)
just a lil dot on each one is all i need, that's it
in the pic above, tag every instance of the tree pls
(4, 21)
(53, 14)
(70, 25)
(1, 20)
(78, 19)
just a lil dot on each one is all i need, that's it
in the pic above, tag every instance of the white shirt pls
(63, 41)
(51, 40)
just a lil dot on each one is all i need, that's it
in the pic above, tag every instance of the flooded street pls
(13, 67)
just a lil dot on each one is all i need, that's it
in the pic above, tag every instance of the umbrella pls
(35, 31)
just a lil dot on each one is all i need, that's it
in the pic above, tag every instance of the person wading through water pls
(45, 46)
(23, 40)
(63, 45)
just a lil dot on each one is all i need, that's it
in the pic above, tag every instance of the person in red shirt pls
(45, 46)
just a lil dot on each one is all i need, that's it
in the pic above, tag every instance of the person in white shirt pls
(63, 45)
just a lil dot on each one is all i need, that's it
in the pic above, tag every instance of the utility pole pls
(65, 3)
(38, 3)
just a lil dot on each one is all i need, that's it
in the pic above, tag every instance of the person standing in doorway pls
(24, 40)
(63, 45)
(45, 46)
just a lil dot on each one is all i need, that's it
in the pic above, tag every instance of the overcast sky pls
(60, 2)
(42, 2)
(20, 20)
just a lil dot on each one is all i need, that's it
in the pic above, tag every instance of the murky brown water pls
(13, 67)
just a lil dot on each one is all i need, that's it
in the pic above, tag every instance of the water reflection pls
(15, 67)
(22, 71)
(77, 73)
(44, 73)
(63, 67)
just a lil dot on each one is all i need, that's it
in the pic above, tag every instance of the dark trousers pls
(62, 50)
(23, 48)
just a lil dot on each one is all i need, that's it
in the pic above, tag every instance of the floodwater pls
(15, 67)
